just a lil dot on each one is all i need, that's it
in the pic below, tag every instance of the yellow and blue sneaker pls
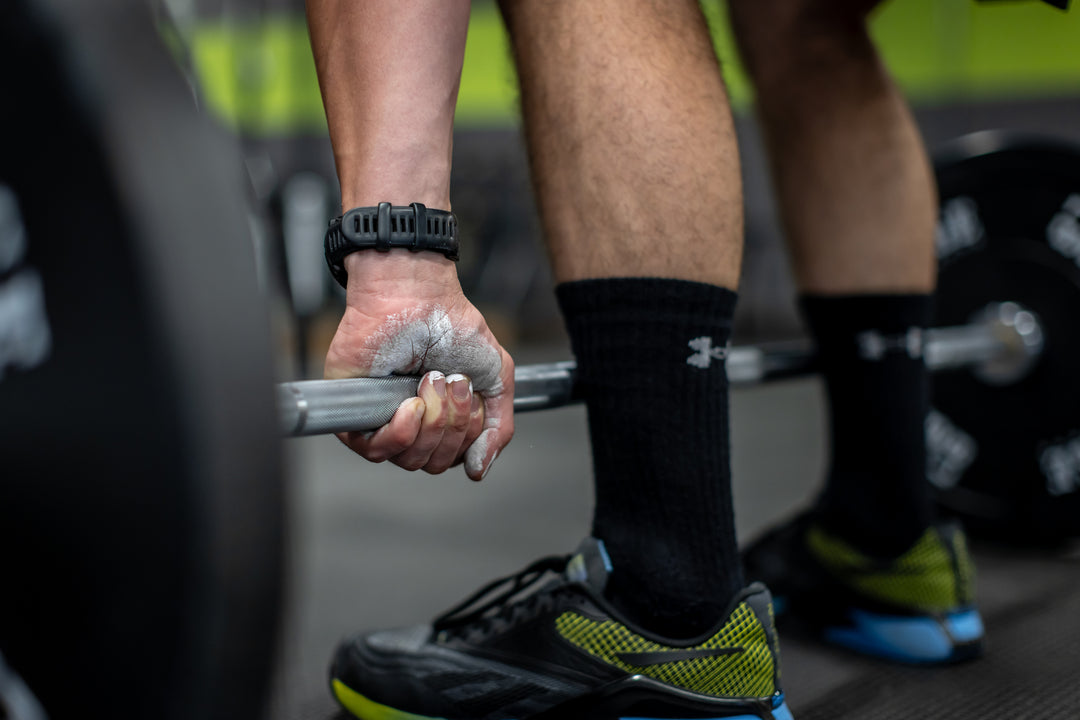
(544, 645)
(917, 608)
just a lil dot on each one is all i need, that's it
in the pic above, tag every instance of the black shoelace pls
(472, 614)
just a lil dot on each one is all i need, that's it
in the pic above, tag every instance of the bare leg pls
(631, 142)
(852, 179)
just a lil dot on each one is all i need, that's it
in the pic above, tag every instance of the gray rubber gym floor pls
(374, 546)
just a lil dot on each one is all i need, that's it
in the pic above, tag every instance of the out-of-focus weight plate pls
(1006, 457)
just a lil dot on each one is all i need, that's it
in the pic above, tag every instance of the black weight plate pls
(1007, 458)
(140, 480)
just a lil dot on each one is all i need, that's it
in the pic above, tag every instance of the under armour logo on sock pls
(874, 346)
(705, 352)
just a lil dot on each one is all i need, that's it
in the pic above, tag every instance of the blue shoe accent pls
(907, 639)
(782, 713)
(604, 555)
(965, 626)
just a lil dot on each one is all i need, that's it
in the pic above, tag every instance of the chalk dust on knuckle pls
(426, 338)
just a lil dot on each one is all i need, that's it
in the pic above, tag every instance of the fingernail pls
(460, 387)
(435, 388)
(418, 407)
(433, 378)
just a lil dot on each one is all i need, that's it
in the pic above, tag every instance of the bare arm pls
(389, 72)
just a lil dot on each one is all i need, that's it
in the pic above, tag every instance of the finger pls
(392, 438)
(432, 391)
(476, 424)
(498, 426)
(459, 401)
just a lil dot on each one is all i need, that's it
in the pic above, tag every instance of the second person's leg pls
(857, 200)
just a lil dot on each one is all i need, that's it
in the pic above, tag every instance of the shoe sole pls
(923, 640)
(580, 709)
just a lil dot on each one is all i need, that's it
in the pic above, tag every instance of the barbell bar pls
(1001, 345)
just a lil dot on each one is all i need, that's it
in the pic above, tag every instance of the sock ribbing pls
(650, 366)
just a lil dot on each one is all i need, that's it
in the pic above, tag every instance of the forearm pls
(389, 72)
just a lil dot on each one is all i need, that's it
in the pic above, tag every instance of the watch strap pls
(384, 227)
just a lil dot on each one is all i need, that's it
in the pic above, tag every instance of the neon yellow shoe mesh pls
(935, 575)
(735, 662)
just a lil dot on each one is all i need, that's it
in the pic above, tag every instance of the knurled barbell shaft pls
(317, 407)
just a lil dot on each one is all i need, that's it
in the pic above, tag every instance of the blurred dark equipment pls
(1004, 452)
(141, 489)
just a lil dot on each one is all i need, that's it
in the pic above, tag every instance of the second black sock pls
(870, 353)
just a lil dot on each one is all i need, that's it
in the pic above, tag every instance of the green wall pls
(258, 76)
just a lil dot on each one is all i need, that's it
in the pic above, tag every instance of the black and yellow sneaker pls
(545, 645)
(916, 608)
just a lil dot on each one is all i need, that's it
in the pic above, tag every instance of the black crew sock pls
(870, 349)
(650, 366)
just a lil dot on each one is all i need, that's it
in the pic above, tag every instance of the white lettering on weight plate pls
(949, 450)
(959, 227)
(25, 336)
(1060, 465)
(1063, 232)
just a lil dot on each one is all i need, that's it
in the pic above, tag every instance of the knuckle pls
(372, 454)
(436, 468)
(400, 437)
(411, 463)
(438, 424)
(383, 451)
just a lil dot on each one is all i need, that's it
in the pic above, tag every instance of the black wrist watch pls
(387, 226)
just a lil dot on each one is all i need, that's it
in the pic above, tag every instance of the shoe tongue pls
(590, 565)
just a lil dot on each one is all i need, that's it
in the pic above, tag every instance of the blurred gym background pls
(965, 66)
(373, 546)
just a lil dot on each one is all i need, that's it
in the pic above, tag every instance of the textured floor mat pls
(1031, 671)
